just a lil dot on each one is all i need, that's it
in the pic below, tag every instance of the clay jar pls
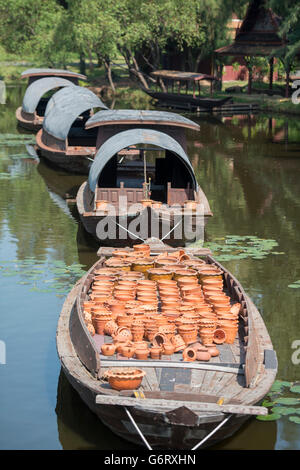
(168, 349)
(160, 339)
(190, 205)
(101, 205)
(155, 352)
(142, 265)
(157, 274)
(188, 333)
(142, 354)
(116, 307)
(202, 355)
(108, 349)
(213, 350)
(190, 274)
(219, 336)
(110, 327)
(178, 343)
(189, 354)
(128, 351)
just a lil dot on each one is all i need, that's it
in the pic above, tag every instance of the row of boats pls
(141, 157)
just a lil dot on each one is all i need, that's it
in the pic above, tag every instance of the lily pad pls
(270, 417)
(288, 401)
(295, 389)
(295, 419)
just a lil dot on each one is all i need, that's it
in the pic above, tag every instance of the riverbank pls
(128, 90)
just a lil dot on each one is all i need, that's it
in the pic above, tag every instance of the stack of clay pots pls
(170, 301)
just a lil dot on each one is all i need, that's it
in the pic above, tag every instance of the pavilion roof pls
(258, 34)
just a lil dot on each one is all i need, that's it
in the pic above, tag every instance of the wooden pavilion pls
(258, 36)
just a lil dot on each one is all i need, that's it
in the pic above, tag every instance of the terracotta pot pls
(117, 308)
(108, 349)
(128, 351)
(138, 335)
(235, 309)
(189, 355)
(191, 205)
(143, 265)
(160, 339)
(87, 306)
(101, 205)
(157, 274)
(203, 356)
(231, 334)
(99, 325)
(213, 350)
(219, 336)
(168, 349)
(91, 329)
(140, 344)
(110, 327)
(188, 333)
(155, 352)
(165, 283)
(119, 381)
(146, 202)
(123, 334)
(189, 274)
(142, 354)
(178, 342)
(164, 262)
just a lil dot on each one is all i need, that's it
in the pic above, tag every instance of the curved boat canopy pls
(133, 116)
(36, 72)
(37, 89)
(133, 137)
(65, 106)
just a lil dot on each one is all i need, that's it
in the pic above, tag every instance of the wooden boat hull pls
(186, 101)
(77, 160)
(33, 126)
(179, 428)
(163, 223)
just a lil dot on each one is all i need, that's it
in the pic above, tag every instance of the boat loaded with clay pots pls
(42, 83)
(175, 356)
(141, 171)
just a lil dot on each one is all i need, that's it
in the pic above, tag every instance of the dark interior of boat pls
(170, 180)
(79, 136)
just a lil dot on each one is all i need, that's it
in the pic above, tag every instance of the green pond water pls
(249, 168)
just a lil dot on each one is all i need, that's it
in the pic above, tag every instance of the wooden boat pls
(63, 139)
(37, 73)
(180, 100)
(31, 114)
(42, 82)
(143, 165)
(179, 405)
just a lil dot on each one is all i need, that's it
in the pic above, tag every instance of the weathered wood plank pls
(230, 368)
(171, 404)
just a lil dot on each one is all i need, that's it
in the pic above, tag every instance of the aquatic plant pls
(43, 276)
(279, 405)
(236, 247)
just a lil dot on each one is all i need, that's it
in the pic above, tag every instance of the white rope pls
(211, 433)
(138, 430)
(131, 233)
(180, 221)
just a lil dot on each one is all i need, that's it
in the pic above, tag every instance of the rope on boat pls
(131, 233)
(138, 430)
(180, 221)
(212, 432)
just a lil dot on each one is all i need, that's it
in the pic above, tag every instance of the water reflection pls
(249, 170)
